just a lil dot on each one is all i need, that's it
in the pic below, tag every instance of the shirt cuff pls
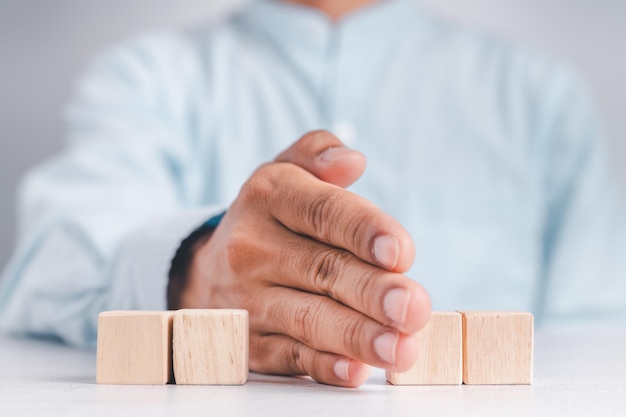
(181, 263)
(141, 271)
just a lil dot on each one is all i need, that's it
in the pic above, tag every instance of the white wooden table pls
(577, 373)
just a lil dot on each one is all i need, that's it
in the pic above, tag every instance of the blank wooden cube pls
(497, 348)
(440, 353)
(211, 347)
(134, 347)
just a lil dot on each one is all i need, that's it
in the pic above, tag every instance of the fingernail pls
(387, 251)
(385, 347)
(341, 369)
(396, 305)
(332, 154)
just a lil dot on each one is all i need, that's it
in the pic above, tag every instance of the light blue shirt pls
(488, 153)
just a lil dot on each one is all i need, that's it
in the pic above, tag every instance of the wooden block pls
(497, 348)
(134, 347)
(440, 353)
(211, 347)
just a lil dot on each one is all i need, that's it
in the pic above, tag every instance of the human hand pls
(318, 268)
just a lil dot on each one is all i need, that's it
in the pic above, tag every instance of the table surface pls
(577, 373)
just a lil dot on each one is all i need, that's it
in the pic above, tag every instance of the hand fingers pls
(324, 156)
(282, 355)
(330, 214)
(325, 325)
(389, 298)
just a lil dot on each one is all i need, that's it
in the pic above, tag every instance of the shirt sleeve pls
(584, 248)
(100, 223)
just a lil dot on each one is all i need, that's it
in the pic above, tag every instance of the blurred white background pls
(44, 45)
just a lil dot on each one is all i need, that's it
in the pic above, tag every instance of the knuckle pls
(318, 213)
(367, 289)
(326, 268)
(259, 187)
(293, 358)
(305, 319)
(250, 297)
(315, 137)
(266, 187)
(353, 331)
(356, 230)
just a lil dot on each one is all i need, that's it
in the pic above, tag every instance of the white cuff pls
(141, 271)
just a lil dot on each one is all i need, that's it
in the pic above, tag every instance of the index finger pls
(335, 216)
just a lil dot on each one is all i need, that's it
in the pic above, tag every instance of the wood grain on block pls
(134, 347)
(497, 348)
(440, 353)
(211, 347)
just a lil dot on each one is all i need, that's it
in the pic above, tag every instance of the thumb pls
(323, 155)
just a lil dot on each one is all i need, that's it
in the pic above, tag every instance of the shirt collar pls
(295, 25)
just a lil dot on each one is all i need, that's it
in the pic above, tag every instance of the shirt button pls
(346, 132)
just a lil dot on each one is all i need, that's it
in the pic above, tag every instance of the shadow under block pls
(134, 347)
(440, 353)
(211, 347)
(497, 348)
